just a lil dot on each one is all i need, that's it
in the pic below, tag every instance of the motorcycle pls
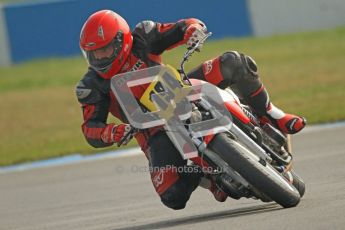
(213, 129)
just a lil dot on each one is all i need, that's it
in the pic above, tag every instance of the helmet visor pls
(101, 59)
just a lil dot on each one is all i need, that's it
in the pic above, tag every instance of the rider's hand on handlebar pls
(115, 133)
(194, 33)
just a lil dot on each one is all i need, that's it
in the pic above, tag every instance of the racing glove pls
(193, 34)
(116, 133)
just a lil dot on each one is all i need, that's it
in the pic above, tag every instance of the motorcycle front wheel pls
(260, 174)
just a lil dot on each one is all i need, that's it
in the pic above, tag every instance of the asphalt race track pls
(118, 194)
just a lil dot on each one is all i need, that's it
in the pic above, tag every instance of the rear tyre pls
(258, 173)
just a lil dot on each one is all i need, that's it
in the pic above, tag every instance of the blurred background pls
(299, 46)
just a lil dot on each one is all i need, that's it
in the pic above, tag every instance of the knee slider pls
(175, 197)
(251, 65)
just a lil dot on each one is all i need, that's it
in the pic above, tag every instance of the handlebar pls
(189, 53)
(128, 136)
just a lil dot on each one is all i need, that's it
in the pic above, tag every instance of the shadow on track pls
(206, 217)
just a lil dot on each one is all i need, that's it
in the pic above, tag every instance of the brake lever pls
(191, 50)
(188, 53)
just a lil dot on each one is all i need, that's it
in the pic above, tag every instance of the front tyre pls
(298, 183)
(260, 175)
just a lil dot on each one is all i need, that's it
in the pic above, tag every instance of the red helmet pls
(106, 42)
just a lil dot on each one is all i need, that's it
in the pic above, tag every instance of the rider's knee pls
(235, 66)
(175, 197)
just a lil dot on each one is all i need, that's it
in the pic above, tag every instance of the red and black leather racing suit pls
(150, 40)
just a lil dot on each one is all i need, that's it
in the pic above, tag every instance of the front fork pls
(288, 145)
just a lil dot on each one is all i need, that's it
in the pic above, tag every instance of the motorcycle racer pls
(111, 48)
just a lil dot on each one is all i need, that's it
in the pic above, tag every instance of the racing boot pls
(217, 192)
(287, 123)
